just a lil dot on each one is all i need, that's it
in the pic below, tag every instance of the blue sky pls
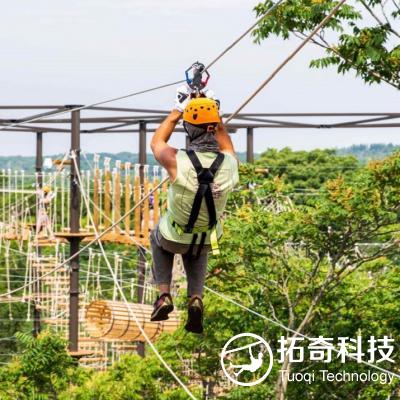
(63, 52)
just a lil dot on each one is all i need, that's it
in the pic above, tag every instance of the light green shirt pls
(182, 191)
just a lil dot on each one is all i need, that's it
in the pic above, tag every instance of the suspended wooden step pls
(59, 162)
(80, 353)
(45, 242)
(112, 320)
(123, 238)
(19, 236)
(13, 299)
(80, 235)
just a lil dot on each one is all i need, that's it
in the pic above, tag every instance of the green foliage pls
(306, 169)
(301, 263)
(368, 50)
(365, 152)
(41, 370)
(131, 378)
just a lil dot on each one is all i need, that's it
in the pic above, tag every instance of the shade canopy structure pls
(55, 119)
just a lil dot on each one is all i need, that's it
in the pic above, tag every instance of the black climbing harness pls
(205, 177)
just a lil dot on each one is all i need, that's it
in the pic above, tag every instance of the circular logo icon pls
(245, 357)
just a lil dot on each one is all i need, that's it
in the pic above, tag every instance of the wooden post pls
(156, 198)
(141, 267)
(96, 194)
(250, 145)
(36, 288)
(74, 228)
(136, 199)
(117, 196)
(107, 193)
(146, 207)
(128, 193)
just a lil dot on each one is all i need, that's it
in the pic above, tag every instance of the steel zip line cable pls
(287, 60)
(296, 333)
(98, 236)
(78, 108)
(287, 329)
(277, 70)
(119, 288)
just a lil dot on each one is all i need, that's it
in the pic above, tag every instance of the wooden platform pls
(80, 353)
(80, 235)
(43, 242)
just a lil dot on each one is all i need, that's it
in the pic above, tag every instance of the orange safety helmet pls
(46, 189)
(201, 110)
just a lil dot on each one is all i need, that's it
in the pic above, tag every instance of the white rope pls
(49, 183)
(281, 325)
(105, 231)
(104, 216)
(296, 333)
(124, 299)
(234, 43)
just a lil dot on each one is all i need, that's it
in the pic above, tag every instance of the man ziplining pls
(201, 179)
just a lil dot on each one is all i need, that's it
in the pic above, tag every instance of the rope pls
(48, 183)
(102, 213)
(88, 244)
(119, 288)
(286, 61)
(244, 34)
(296, 333)
(99, 103)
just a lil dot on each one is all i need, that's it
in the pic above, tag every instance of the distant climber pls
(43, 224)
(201, 178)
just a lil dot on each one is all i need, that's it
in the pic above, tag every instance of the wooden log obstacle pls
(112, 320)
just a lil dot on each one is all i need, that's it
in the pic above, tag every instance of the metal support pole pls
(141, 266)
(187, 142)
(142, 142)
(250, 145)
(74, 241)
(36, 288)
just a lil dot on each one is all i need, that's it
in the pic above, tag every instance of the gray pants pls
(163, 259)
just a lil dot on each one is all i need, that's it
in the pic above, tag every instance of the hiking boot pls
(195, 315)
(162, 307)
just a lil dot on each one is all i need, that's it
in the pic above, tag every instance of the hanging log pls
(112, 320)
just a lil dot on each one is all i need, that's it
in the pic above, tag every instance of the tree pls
(41, 370)
(307, 267)
(371, 50)
(132, 378)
